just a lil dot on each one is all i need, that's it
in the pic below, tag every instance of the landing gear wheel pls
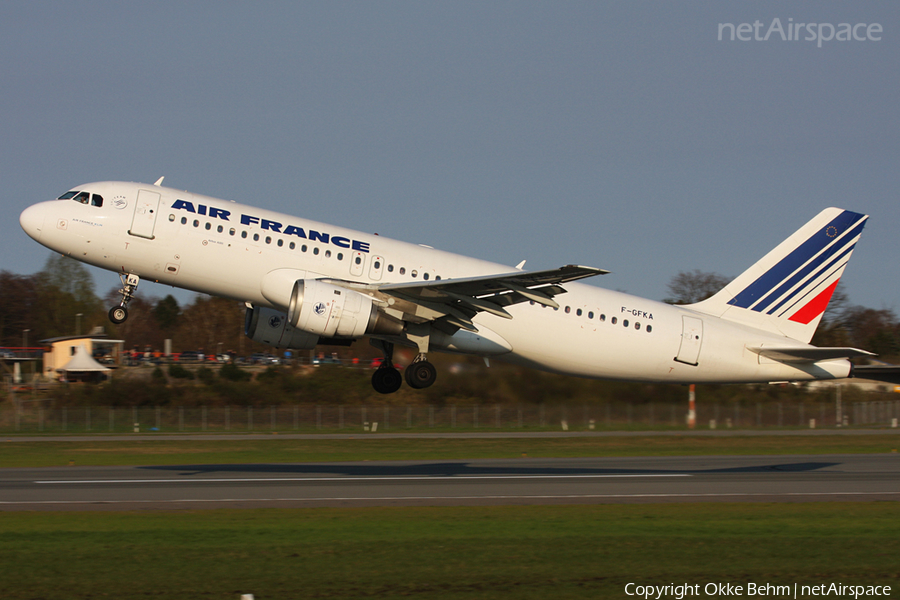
(386, 380)
(421, 374)
(118, 314)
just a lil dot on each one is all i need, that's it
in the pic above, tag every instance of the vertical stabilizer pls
(788, 290)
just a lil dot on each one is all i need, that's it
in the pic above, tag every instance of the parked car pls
(190, 356)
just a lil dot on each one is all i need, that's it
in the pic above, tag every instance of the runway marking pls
(352, 479)
(489, 497)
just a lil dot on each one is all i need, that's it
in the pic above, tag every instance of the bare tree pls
(689, 287)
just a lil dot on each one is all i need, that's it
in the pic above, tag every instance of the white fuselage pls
(227, 249)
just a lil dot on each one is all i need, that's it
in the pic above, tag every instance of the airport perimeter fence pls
(32, 418)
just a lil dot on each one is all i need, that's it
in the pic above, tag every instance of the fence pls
(311, 418)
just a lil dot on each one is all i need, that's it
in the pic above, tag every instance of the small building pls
(106, 352)
(83, 368)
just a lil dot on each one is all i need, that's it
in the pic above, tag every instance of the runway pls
(457, 483)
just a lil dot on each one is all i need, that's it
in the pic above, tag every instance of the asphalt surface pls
(457, 483)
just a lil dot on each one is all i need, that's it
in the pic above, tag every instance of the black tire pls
(386, 380)
(118, 314)
(420, 375)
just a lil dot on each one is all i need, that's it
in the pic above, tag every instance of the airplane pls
(306, 283)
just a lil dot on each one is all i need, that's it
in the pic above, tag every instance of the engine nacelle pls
(332, 311)
(328, 310)
(268, 326)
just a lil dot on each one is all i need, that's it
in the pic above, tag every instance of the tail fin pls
(788, 289)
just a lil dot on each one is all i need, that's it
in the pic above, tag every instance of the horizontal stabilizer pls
(885, 373)
(808, 354)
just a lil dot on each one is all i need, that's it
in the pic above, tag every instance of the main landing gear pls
(118, 314)
(387, 379)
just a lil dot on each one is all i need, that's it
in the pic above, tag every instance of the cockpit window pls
(83, 197)
(96, 200)
(67, 196)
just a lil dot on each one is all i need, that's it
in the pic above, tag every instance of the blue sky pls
(613, 134)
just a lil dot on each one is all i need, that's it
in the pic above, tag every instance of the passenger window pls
(208, 226)
(340, 256)
(96, 200)
(171, 217)
(568, 309)
(625, 323)
(390, 268)
(649, 328)
(292, 245)
(316, 250)
(591, 315)
(220, 229)
(579, 312)
(184, 220)
(328, 254)
(614, 320)
(403, 270)
(231, 231)
(414, 273)
(438, 278)
(637, 326)
(244, 234)
(377, 264)
(425, 276)
(268, 239)
(602, 318)
(196, 223)
(255, 237)
(358, 260)
(303, 248)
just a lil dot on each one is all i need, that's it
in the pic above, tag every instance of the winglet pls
(159, 181)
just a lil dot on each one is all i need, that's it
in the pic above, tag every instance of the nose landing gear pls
(118, 314)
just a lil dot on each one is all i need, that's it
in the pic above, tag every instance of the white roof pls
(82, 361)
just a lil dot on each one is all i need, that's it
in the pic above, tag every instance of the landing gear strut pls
(118, 314)
(386, 379)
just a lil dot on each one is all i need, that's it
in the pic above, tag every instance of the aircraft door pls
(145, 210)
(691, 339)
(357, 263)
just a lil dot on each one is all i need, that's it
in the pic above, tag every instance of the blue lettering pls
(182, 205)
(341, 242)
(315, 236)
(271, 225)
(361, 246)
(201, 209)
(218, 213)
(291, 230)
(248, 220)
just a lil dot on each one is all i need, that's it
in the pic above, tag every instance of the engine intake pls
(268, 326)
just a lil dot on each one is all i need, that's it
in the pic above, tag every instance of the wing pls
(450, 304)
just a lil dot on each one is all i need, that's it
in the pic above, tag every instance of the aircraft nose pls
(32, 221)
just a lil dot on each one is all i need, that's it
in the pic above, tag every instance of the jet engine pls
(331, 311)
(268, 326)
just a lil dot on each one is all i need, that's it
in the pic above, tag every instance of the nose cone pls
(32, 220)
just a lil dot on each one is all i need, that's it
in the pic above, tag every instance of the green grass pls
(211, 451)
(468, 552)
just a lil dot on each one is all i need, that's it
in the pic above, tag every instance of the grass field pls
(437, 552)
(274, 450)
(476, 552)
